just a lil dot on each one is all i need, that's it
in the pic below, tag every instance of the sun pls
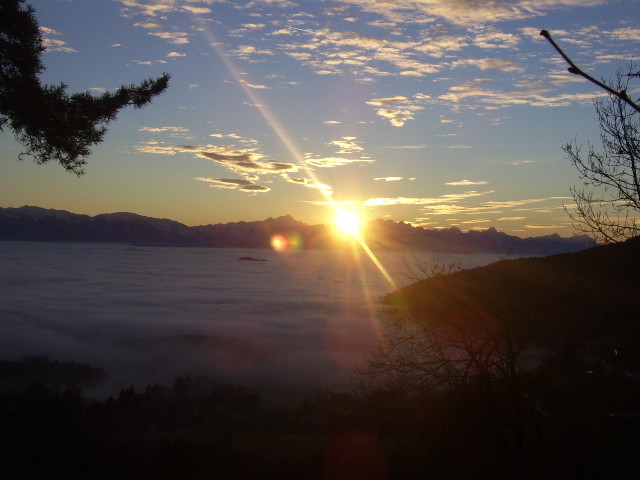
(348, 222)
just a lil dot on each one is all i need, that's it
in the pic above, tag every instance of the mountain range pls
(29, 223)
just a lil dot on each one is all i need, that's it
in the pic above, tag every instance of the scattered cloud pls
(327, 162)
(247, 51)
(246, 162)
(627, 33)
(466, 183)
(347, 145)
(408, 147)
(495, 39)
(478, 220)
(160, 8)
(499, 64)
(467, 12)
(53, 44)
(477, 94)
(163, 129)
(389, 179)
(234, 183)
(544, 227)
(176, 38)
(449, 198)
(398, 110)
(149, 62)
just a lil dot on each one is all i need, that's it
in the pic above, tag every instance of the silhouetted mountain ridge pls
(39, 224)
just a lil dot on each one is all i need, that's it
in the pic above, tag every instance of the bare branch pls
(573, 68)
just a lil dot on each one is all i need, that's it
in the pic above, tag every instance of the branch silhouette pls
(573, 68)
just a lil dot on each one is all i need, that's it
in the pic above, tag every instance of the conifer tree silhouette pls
(51, 124)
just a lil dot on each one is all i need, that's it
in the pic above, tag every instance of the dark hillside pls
(588, 295)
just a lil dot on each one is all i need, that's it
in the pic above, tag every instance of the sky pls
(438, 113)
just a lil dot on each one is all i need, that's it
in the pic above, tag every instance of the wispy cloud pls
(466, 183)
(164, 129)
(176, 38)
(449, 198)
(468, 13)
(389, 179)
(327, 162)
(499, 64)
(627, 33)
(398, 110)
(54, 44)
(247, 51)
(246, 162)
(157, 8)
(234, 183)
(347, 145)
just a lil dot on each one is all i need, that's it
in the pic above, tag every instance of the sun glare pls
(348, 222)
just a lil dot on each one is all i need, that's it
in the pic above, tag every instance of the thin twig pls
(573, 68)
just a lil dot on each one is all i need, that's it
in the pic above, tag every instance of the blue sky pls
(434, 112)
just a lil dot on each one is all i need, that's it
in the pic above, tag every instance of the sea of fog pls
(151, 314)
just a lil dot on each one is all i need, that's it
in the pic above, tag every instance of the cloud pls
(253, 26)
(329, 52)
(257, 86)
(234, 183)
(159, 8)
(195, 10)
(495, 39)
(408, 147)
(548, 226)
(163, 129)
(398, 110)
(627, 33)
(176, 38)
(465, 12)
(389, 179)
(478, 220)
(328, 162)
(319, 186)
(475, 93)
(451, 197)
(439, 45)
(246, 162)
(147, 25)
(176, 54)
(347, 145)
(456, 208)
(54, 44)
(499, 64)
(271, 3)
(245, 51)
(466, 183)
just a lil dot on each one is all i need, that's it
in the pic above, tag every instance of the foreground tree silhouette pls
(50, 123)
(609, 203)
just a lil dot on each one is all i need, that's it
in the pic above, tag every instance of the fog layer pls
(150, 314)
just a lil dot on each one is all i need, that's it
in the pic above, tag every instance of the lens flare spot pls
(292, 241)
(278, 243)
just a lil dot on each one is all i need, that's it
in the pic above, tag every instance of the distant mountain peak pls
(40, 224)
